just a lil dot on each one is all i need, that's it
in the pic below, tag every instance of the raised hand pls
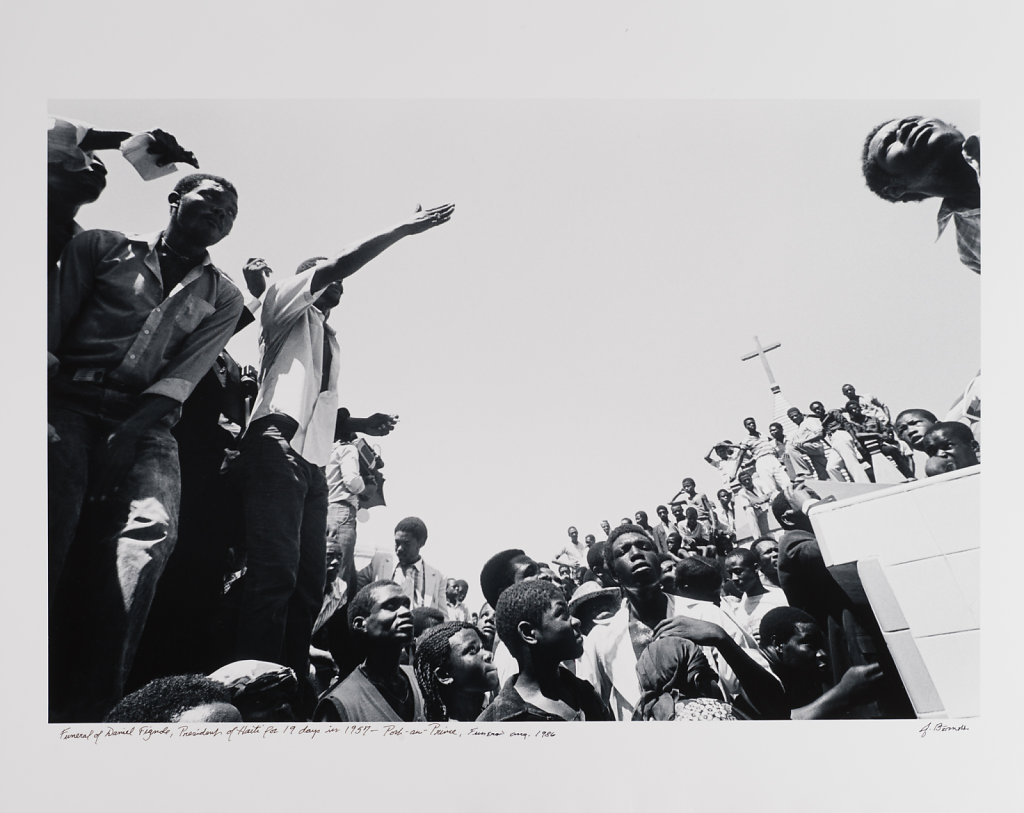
(424, 219)
(256, 273)
(169, 151)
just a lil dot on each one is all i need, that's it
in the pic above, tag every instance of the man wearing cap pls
(286, 446)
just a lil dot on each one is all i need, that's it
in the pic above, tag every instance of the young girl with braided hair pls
(454, 671)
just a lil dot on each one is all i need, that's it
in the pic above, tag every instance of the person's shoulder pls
(102, 239)
(229, 288)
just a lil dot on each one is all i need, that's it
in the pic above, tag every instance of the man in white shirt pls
(286, 446)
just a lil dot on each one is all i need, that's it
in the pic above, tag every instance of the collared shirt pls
(967, 222)
(291, 365)
(457, 612)
(413, 581)
(110, 320)
(344, 482)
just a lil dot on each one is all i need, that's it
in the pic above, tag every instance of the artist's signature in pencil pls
(941, 728)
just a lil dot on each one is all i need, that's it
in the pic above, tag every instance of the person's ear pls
(527, 632)
(359, 623)
(443, 677)
(173, 199)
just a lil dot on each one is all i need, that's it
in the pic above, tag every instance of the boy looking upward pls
(534, 621)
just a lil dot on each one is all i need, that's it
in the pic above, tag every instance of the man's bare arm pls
(356, 256)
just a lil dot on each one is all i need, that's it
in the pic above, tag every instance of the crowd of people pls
(202, 516)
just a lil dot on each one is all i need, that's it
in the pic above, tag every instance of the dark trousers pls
(285, 506)
(105, 556)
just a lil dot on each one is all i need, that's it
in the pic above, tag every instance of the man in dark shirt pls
(134, 323)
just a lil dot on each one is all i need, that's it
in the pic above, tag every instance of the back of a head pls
(425, 618)
(698, 577)
(165, 699)
(498, 573)
(779, 624)
(523, 601)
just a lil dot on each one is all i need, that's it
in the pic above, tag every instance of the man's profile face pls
(911, 427)
(768, 555)
(640, 517)
(206, 213)
(76, 187)
(589, 540)
(805, 650)
(913, 149)
(331, 296)
(407, 548)
(605, 526)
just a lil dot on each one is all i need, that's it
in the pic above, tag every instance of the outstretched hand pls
(379, 424)
(424, 219)
(857, 681)
(169, 151)
(256, 273)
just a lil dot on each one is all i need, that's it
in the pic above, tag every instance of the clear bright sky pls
(568, 347)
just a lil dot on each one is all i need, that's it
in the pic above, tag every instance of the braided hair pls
(432, 650)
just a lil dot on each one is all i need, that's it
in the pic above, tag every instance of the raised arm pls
(356, 256)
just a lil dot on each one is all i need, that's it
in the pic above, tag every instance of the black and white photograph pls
(392, 425)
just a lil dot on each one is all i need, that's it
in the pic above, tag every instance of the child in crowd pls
(534, 622)
(380, 689)
(951, 441)
(454, 671)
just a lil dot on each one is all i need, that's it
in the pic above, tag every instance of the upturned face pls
(606, 526)
(469, 663)
(559, 631)
(795, 415)
(390, 618)
(750, 425)
(634, 561)
(914, 150)
(817, 409)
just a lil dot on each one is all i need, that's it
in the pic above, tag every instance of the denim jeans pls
(285, 506)
(105, 557)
